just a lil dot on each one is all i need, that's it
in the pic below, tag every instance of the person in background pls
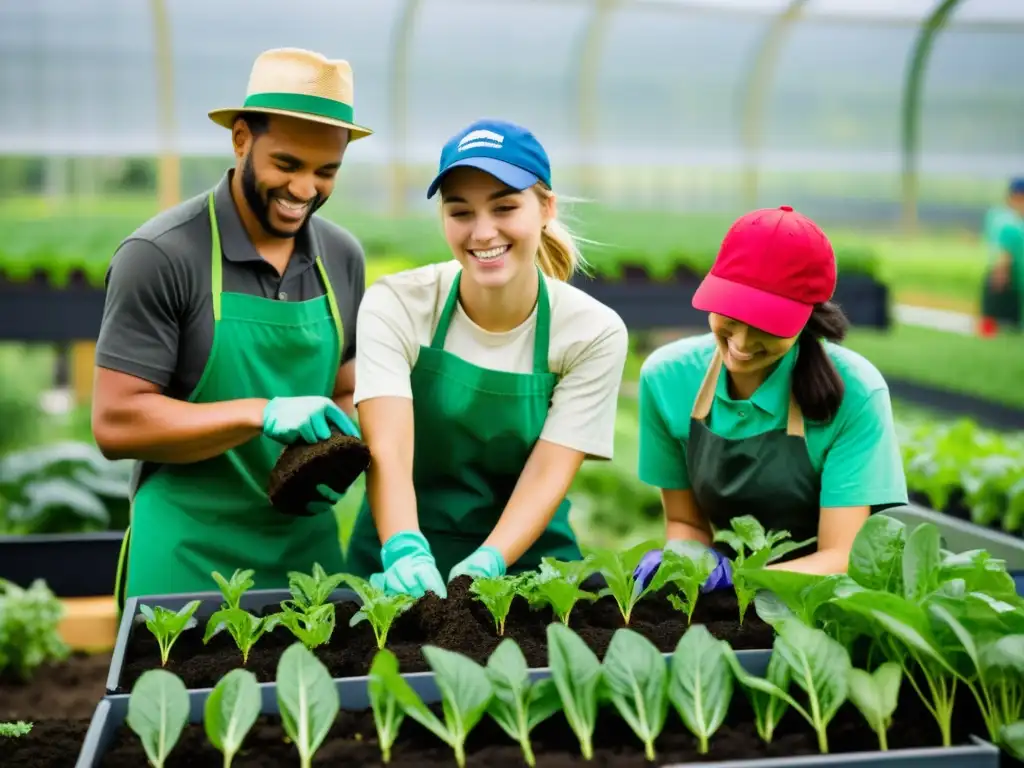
(482, 383)
(1002, 301)
(767, 415)
(229, 332)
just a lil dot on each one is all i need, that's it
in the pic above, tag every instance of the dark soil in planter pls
(50, 744)
(458, 623)
(70, 689)
(335, 462)
(353, 741)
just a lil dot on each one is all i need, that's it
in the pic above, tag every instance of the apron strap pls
(706, 395)
(542, 336)
(332, 300)
(216, 268)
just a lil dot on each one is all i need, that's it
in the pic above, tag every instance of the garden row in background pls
(915, 647)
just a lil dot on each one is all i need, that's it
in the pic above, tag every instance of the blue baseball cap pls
(1017, 186)
(505, 150)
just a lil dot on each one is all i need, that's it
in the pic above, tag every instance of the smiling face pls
(288, 171)
(493, 231)
(747, 350)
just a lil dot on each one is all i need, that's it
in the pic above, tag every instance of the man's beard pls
(260, 206)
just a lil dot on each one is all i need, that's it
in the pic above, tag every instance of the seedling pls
(687, 565)
(518, 705)
(636, 682)
(167, 625)
(558, 584)
(230, 711)
(876, 696)
(377, 607)
(245, 628)
(15, 730)
(386, 688)
(313, 628)
(157, 712)
(310, 591)
(240, 583)
(307, 700)
(701, 683)
(577, 675)
(308, 615)
(29, 621)
(497, 595)
(618, 569)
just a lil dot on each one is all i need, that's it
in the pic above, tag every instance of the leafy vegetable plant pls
(308, 615)
(230, 711)
(686, 565)
(768, 696)
(157, 712)
(618, 569)
(635, 679)
(29, 621)
(1011, 738)
(577, 675)
(307, 700)
(497, 595)
(245, 628)
(876, 695)
(559, 584)
(390, 696)
(377, 607)
(518, 705)
(241, 582)
(167, 625)
(15, 730)
(701, 683)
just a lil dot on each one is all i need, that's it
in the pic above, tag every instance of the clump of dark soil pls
(458, 623)
(353, 741)
(335, 462)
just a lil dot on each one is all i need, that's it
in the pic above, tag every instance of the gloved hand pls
(720, 578)
(486, 563)
(647, 568)
(286, 419)
(409, 567)
(330, 496)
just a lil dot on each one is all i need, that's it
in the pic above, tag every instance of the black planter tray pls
(72, 564)
(111, 713)
(352, 659)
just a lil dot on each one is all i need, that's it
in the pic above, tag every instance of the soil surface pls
(335, 462)
(59, 701)
(353, 741)
(459, 623)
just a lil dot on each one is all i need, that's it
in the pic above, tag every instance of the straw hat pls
(299, 83)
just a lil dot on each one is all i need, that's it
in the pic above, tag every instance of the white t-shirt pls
(587, 350)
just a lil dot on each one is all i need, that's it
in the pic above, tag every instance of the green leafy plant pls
(240, 583)
(635, 680)
(308, 615)
(167, 625)
(518, 705)
(244, 628)
(230, 711)
(312, 590)
(15, 730)
(577, 674)
(618, 569)
(497, 595)
(465, 696)
(1011, 738)
(29, 622)
(377, 607)
(307, 700)
(701, 683)
(686, 565)
(390, 696)
(558, 584)
(875, 695)
(158, 709)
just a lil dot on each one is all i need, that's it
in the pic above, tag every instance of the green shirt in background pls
(857, 454)
(1003, 232)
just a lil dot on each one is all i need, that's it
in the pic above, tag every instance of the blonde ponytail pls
(559, 255)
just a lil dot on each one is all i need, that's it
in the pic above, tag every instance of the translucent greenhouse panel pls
(215, 44)
(990, 11)
(76, 77)
(509, 59)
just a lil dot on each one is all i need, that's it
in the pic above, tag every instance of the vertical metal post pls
(169, 169)
(911, 107)
(754, 95)
(586, 81)
(401, 39)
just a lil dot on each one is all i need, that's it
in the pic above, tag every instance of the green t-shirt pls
(856, 453)
(1003, 232)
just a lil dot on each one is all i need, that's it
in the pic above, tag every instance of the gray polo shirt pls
(158, 316)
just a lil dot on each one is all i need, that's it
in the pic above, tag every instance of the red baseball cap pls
(774, 265)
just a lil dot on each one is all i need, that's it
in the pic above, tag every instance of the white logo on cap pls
(481, 138)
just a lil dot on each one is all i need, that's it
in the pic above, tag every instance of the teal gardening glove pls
(485, 563)
(409, 567)
(286, 419)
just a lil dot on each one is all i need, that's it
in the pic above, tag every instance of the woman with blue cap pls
(482, 383)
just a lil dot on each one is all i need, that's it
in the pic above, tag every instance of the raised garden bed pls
(352, 737)
(458, 623)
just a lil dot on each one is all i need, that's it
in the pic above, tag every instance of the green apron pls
(188, 520)
(474, 430)
(769, 476)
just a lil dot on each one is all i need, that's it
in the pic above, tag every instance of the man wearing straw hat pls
(228, 332)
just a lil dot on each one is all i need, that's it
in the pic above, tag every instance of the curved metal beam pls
(398, 97)
(754, 95)
(169, 165)
(586, 80)
(911, 106)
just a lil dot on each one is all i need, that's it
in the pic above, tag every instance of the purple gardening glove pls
(648, 567)
(721, 577)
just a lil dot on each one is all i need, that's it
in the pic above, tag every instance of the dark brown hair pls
(817, 386)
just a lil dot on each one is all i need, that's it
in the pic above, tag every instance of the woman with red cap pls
(767, 415)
